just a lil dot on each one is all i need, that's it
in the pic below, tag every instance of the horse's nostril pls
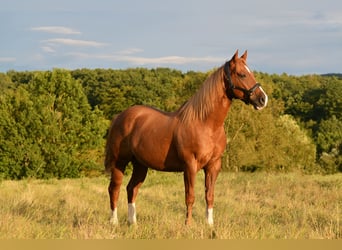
(262, 100)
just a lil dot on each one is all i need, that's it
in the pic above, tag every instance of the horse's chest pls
(203, 148)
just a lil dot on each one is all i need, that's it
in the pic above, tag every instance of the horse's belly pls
(158, 154)
(159, 163)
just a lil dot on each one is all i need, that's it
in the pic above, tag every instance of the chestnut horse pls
(187, 140)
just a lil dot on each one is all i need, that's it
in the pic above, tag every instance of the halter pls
(246, 92)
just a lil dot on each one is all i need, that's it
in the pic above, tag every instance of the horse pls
(187, 140)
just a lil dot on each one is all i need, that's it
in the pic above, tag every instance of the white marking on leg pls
(209, 215)
(132, 219)
(114, 217)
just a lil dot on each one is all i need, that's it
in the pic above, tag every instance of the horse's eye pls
(241, 75)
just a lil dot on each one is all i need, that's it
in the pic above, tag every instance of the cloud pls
(57, 30)
(179, 60)
(48, 49)
(73, 42)
(130, 51)
(7, 59)
(135, 60)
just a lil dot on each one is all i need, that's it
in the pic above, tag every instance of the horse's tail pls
(109, 156)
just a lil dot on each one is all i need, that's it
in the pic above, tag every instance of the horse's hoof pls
(114, 221)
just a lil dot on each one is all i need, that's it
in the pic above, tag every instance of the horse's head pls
(241, 84)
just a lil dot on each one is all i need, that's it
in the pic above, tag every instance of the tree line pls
(54, 123)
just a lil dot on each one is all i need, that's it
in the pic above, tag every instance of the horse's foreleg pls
(137, 179)
(189, 183)
(211, 173)
(114, 191)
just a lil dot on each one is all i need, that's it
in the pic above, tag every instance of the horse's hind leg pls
(114, 191)
(137, 179)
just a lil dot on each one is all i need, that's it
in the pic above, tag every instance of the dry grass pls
(248, 206)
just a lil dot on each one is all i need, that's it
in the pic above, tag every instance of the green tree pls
(266, 140)
(49, 129)
(316, 103)
(329, 141)
(16, 151)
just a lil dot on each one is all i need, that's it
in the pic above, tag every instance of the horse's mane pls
(202, 102)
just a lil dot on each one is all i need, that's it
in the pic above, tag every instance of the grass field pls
(247, 206)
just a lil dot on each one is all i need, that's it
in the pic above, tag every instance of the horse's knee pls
(190, 200)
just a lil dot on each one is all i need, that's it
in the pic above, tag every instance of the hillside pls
(54, 123)
(338, 75)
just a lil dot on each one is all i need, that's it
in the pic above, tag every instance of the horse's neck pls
(216, 118)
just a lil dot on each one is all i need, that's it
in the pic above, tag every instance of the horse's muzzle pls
(261, 100)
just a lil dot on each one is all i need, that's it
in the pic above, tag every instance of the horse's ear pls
(244, 56)
(235, 56)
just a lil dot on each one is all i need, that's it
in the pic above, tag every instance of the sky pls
(294, 36)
